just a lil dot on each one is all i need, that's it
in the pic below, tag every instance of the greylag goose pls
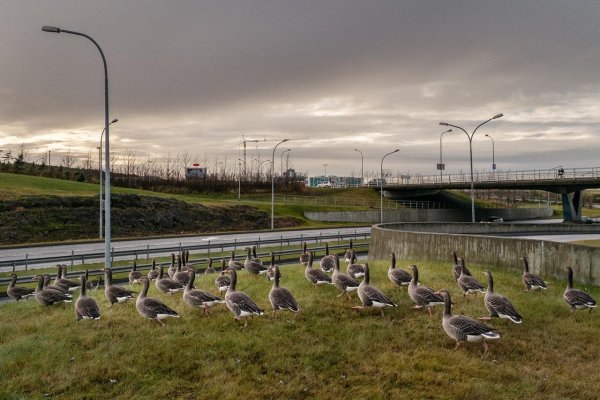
(181, 277)
(398, 276)
(151, 308)
(349, 254)
(199, 298)
(115, 294)
(462, 328)
(497, 305)
(18, 292)
(239, 303)
(459, 265)
(173, 267)
(233, 263)
(135, 276)
(86, 307)
(422, 296)
(304, 256)
(210, 269)
(327, 263)
(371, 296)
(281, 298)
(576, 298)
(153, 273)
(255, 258)
(58, 288)
(467, 283)
(271, 268)
(167, 285)
(88, 284)
(222, 281)
(253, 267)
(48, 297)
(315, 276)
(61, 279)
(342, 281)
(353, 269)
(530, 280)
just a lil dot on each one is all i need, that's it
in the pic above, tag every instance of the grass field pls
(329, 351)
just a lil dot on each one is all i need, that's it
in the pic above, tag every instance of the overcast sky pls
(333, 75)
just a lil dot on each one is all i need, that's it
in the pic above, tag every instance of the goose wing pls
(167, 284)
(283, 298)
(502, 306)
(240, 302)
(531, 279)
(157, 307)
(579, 298)
(203, 296)
(316, 275)
(53, 296)
(399, 276)
(18, 292)
(86, 307)
(468, 283)
(345, 281)
(468, 326)
(375, 295)
(427, 295)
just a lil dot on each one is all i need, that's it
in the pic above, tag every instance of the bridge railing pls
(498, 176)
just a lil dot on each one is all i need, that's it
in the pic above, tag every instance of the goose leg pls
(340, 295)
(350, 298)
(457, 346)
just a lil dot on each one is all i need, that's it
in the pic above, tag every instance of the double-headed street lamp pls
(493, 153)
(273, 184)
(381, 181)
(441, 165)
(100, 178)
(362, 163)
(107, 243)
(470, 137)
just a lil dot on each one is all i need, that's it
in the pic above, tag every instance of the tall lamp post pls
(381, 181)
(441, 165)
(273, 184)
(362, 164)
(493, 153)
(107, 243)
(100, 179)
(470, 137)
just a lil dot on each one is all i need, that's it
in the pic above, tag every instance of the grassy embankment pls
(329, 351)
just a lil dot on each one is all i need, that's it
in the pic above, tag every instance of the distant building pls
(195, 172)
(334, 181)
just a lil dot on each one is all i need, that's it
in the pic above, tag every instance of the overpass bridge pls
(568, 182)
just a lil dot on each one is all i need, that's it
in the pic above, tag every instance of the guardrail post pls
(112, 255)
(14, 266)
(147, 252)
(339, 237)
(26, 260)
(234, 244)
(209, 248)
(135, 252)
(258, 245)
(72, 257)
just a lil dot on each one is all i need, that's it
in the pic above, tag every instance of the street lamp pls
(493, 153)
(381, 181)
(54, 29)
(441, 165)
(100, 178)
(470, 137)
(362, 163)
(273, 184)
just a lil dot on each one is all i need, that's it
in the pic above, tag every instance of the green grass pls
(330, 351)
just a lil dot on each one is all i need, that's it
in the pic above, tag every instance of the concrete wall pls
(438, 215)
(475, 243)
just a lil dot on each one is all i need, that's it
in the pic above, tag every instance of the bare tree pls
(69, 160)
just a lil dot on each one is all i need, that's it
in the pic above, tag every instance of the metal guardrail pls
(353, 202)
(81, 257)
(288, 256)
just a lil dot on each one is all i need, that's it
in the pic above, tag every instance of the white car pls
(325, 184)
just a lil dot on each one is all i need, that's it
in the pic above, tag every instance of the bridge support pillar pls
(572, 205)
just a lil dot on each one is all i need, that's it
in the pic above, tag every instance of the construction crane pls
(243, 142)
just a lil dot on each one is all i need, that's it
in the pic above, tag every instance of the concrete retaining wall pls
(437, 241)
(437, 215)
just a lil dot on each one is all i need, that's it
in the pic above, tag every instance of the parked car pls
(376, 182)
(325, 184)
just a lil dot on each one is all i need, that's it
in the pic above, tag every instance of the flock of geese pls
(181, 275)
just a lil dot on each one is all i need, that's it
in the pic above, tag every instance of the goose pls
(151, 308)
(462, 328)
(153, 273)
(459, 265)
(88, 284)
(281, 298)
(115, 294)
(530, 280)
(135, 276)
(186, 259)
(61, 279)
(398, 276)
(422, 296)
(253, 267)
(255, 257)
(349, 254)
(304, 256)
(199, 298)
(342, 281)
(576, 298)
(370, 296)
(239, 303)
(315, 276)
(181, 276)
(497, 305)
(222, 281)
(327, 263)
(58, 288)
(18, 292)
(233, 263)
(353, 269)
(167, 285)
(467, 283)
(210, 269)
(86, 307)
(48, 297)
(173, 267)
(271, 268)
